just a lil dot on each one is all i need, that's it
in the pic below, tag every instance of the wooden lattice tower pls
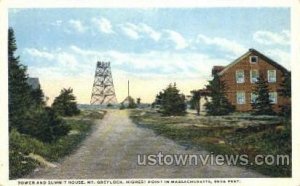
(103, 88)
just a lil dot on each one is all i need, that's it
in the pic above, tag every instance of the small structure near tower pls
(103, 92)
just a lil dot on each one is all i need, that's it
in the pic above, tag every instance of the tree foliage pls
(131, 102)
(219, 104)
(195, 101)
(171, 101)
(44, 125)
(285, 90)
(65, 104)
(27, 111)
(19, 91)
(262, 105)
(138, 101)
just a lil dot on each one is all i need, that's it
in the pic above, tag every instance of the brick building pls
(240, 77)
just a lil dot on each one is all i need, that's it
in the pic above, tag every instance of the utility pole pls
(128, 88)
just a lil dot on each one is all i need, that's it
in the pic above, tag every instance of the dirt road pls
(111, 152)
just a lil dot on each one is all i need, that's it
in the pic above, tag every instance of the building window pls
(240, 77)
(271, 76)
(240, 98)
(253, 97)
(273, 97)
(253, 59)
(254, 76)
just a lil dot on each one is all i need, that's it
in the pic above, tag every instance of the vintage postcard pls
(149, 95)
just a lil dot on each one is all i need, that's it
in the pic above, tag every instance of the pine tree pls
(38, 96)
(19, 90)
(219, 104)
(27, 111)
(262, 104)
(195, 101)
(286, 91)
(65, 104)
(171, 101)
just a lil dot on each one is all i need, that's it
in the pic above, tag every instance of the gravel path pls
(111, 152)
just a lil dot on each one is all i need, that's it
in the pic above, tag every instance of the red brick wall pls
(229, 77)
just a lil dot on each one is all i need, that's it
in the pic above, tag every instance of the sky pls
(150, 47)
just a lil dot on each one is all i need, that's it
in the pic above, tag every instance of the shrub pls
(65, 104)
(171, 101)
(44, 125)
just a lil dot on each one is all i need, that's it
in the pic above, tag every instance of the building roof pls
(34, 83)
(253, 51)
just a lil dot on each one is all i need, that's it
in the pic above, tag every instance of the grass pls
(22, 145)
(247, 135)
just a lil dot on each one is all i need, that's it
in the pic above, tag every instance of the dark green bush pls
(171, 101)
(65, 104)
(44, 125)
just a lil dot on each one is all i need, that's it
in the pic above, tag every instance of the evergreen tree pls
(138, 101)
(44, 125)
(262, 104)
(38, 97)
(27, 112)
(65, 104)
(285, 90)
(171, 101)
(195, 101)
(19, 91)
(219, 104)
(158, 99)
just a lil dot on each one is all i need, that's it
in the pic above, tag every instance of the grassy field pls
(27, 153)
(234, 134)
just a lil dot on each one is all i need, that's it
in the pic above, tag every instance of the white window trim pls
(251, 76)
(269, 76)
(237, 100)
(236, 76)
(251, 60)
(275, 96)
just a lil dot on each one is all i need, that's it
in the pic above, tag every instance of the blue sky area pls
(151, 47)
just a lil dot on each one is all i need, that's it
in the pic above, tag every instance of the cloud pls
(77, 25)
(141, 30)
(150, 31)
(177, 39)
(38, 53)
(130, 30)
(222, 44)
(158, 63)
(280, 56)
(272, 38)
(103, 25)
